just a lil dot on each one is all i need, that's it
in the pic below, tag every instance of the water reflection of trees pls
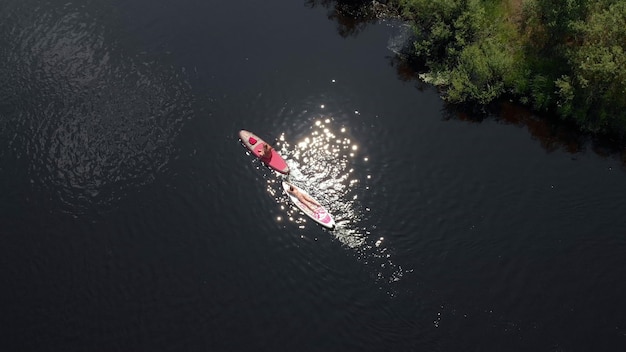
(352, 16)
(551, 133)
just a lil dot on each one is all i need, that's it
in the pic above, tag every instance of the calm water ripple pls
(92, 122)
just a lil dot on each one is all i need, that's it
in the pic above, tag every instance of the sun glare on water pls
(323, 163)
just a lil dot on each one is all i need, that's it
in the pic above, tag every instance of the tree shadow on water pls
(352, 16)
(551, 133)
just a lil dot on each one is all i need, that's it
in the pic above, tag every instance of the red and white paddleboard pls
(255, 145)
(319, 214)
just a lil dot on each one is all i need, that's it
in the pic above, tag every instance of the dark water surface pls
(133, 220)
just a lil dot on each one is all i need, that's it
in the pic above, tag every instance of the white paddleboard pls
(319, 213)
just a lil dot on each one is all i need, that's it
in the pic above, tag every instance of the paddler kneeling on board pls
(304, 199)
(266, 152)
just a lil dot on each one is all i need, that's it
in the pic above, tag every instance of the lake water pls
(132, 218)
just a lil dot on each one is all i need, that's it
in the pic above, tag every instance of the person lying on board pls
(266, 152)
(304, 199)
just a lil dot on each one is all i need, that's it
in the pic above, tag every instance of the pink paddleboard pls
(319, 213)
(255, 145)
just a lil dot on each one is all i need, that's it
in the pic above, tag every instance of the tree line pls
(565, 56)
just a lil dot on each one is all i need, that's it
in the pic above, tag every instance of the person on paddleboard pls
(266, 152)
(304, 199)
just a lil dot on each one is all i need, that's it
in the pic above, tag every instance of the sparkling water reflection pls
(323, 163)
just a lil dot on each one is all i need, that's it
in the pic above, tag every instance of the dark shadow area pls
(551, 133)
(352, 16)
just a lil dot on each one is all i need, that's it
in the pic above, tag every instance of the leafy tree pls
(599, 66)
(443, 27)
(563, 55)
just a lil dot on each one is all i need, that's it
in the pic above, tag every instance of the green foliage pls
(443, 27)
(566, 93)
(556, 16)
(599, 65)
(563, 55)
(479, 75)
(466, 47)
(540, 91)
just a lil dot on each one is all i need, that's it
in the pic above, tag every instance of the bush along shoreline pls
(566, 57)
